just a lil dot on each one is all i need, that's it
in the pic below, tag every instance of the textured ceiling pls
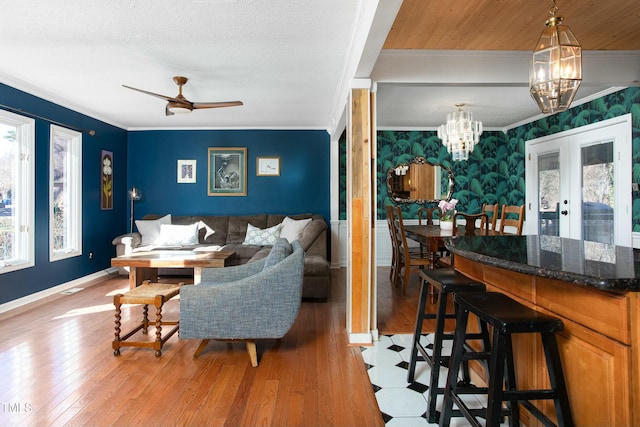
(290, 61)
(283, 59)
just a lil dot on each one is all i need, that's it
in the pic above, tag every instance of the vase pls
(446, 225)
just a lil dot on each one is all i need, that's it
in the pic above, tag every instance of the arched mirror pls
(420, 181)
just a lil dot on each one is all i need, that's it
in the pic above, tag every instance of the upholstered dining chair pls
(512, 216)
(492, 213)
(250, 302)
(409, 261)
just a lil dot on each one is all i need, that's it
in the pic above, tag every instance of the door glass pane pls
(597, 193)
(549, 193)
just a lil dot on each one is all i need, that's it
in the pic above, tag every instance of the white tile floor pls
(402, 403)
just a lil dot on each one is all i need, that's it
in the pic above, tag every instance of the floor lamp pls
(134, 195)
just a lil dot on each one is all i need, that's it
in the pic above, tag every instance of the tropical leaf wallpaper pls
(495, 172)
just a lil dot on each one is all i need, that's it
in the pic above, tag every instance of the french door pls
(579, 183)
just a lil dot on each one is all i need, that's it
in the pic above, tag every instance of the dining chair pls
(492, 212)
(393, 272)
(471, 220)
(512, 216)
(408, 261)
(428, 213)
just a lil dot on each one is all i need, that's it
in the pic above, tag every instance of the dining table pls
(431, 236)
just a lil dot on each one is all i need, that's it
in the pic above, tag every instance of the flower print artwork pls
(106, 187)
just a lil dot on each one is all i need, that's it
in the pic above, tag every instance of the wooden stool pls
(147, 293)
(446, 281)
(507, 317)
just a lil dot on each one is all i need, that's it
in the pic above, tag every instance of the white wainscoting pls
(339, 233)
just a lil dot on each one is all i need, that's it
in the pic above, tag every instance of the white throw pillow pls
(258, 236)
(292, 229)
(150, 229)
(178, 235)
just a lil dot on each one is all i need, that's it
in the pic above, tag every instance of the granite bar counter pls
(599, 265)
(594, 289)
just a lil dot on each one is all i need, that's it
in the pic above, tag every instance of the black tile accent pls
(403, 365)
(419, 387)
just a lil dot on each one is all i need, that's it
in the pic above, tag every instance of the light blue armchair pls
(259, 300)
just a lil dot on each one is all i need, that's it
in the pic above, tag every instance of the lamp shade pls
(556, 71)
(177, 108)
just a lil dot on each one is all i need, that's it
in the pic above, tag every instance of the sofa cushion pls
(258, 236)
(220, 226)
(238, 226)
(275, 219)
(150, 229)
(243, 252)
(280, 250)
(292, 229)
(178, 235)
(311, 233)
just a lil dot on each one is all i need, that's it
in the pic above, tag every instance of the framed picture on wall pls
(227, 171)
(106, 180)
(268, 166)
(186, 171)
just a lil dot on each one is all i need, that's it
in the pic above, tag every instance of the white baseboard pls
(364, 339)
(11, 305)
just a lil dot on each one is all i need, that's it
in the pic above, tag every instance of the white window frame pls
(73, 201)
(23, 197)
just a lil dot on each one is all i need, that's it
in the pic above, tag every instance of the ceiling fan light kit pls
(181, 105)
(556, 71)
(460, 134)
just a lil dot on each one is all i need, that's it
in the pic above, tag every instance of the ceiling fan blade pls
(166, 98)
(168, 112)
(216, 104)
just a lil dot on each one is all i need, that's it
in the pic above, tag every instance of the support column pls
(361, 325)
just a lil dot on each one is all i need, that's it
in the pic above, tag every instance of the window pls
(16, 192)
(65, 194)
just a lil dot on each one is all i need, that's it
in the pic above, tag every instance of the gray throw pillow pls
(280, 250)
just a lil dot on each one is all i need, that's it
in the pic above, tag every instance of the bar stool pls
(446, 281)
(507, 317)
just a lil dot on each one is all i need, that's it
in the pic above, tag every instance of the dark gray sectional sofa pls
(229, 233)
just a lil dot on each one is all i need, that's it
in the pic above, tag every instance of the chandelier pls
(556, 70)
(460, 134)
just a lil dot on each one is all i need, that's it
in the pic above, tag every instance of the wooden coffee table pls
(144, 265)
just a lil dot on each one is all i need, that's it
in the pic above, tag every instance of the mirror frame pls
(419, 161)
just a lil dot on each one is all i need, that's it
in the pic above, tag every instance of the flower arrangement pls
(447, 209)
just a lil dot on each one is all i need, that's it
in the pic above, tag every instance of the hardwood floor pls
(59, 370)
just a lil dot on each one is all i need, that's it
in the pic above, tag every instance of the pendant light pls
(556, 70)
(460, 134)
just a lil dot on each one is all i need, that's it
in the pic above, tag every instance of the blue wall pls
(148, 160)
(99, 226)
(302, 187)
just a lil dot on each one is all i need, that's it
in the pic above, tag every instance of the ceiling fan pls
(181, 105)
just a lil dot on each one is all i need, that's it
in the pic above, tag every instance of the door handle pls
(564, 212)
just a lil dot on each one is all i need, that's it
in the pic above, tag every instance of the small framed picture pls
(268, 166)
(186, 171)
